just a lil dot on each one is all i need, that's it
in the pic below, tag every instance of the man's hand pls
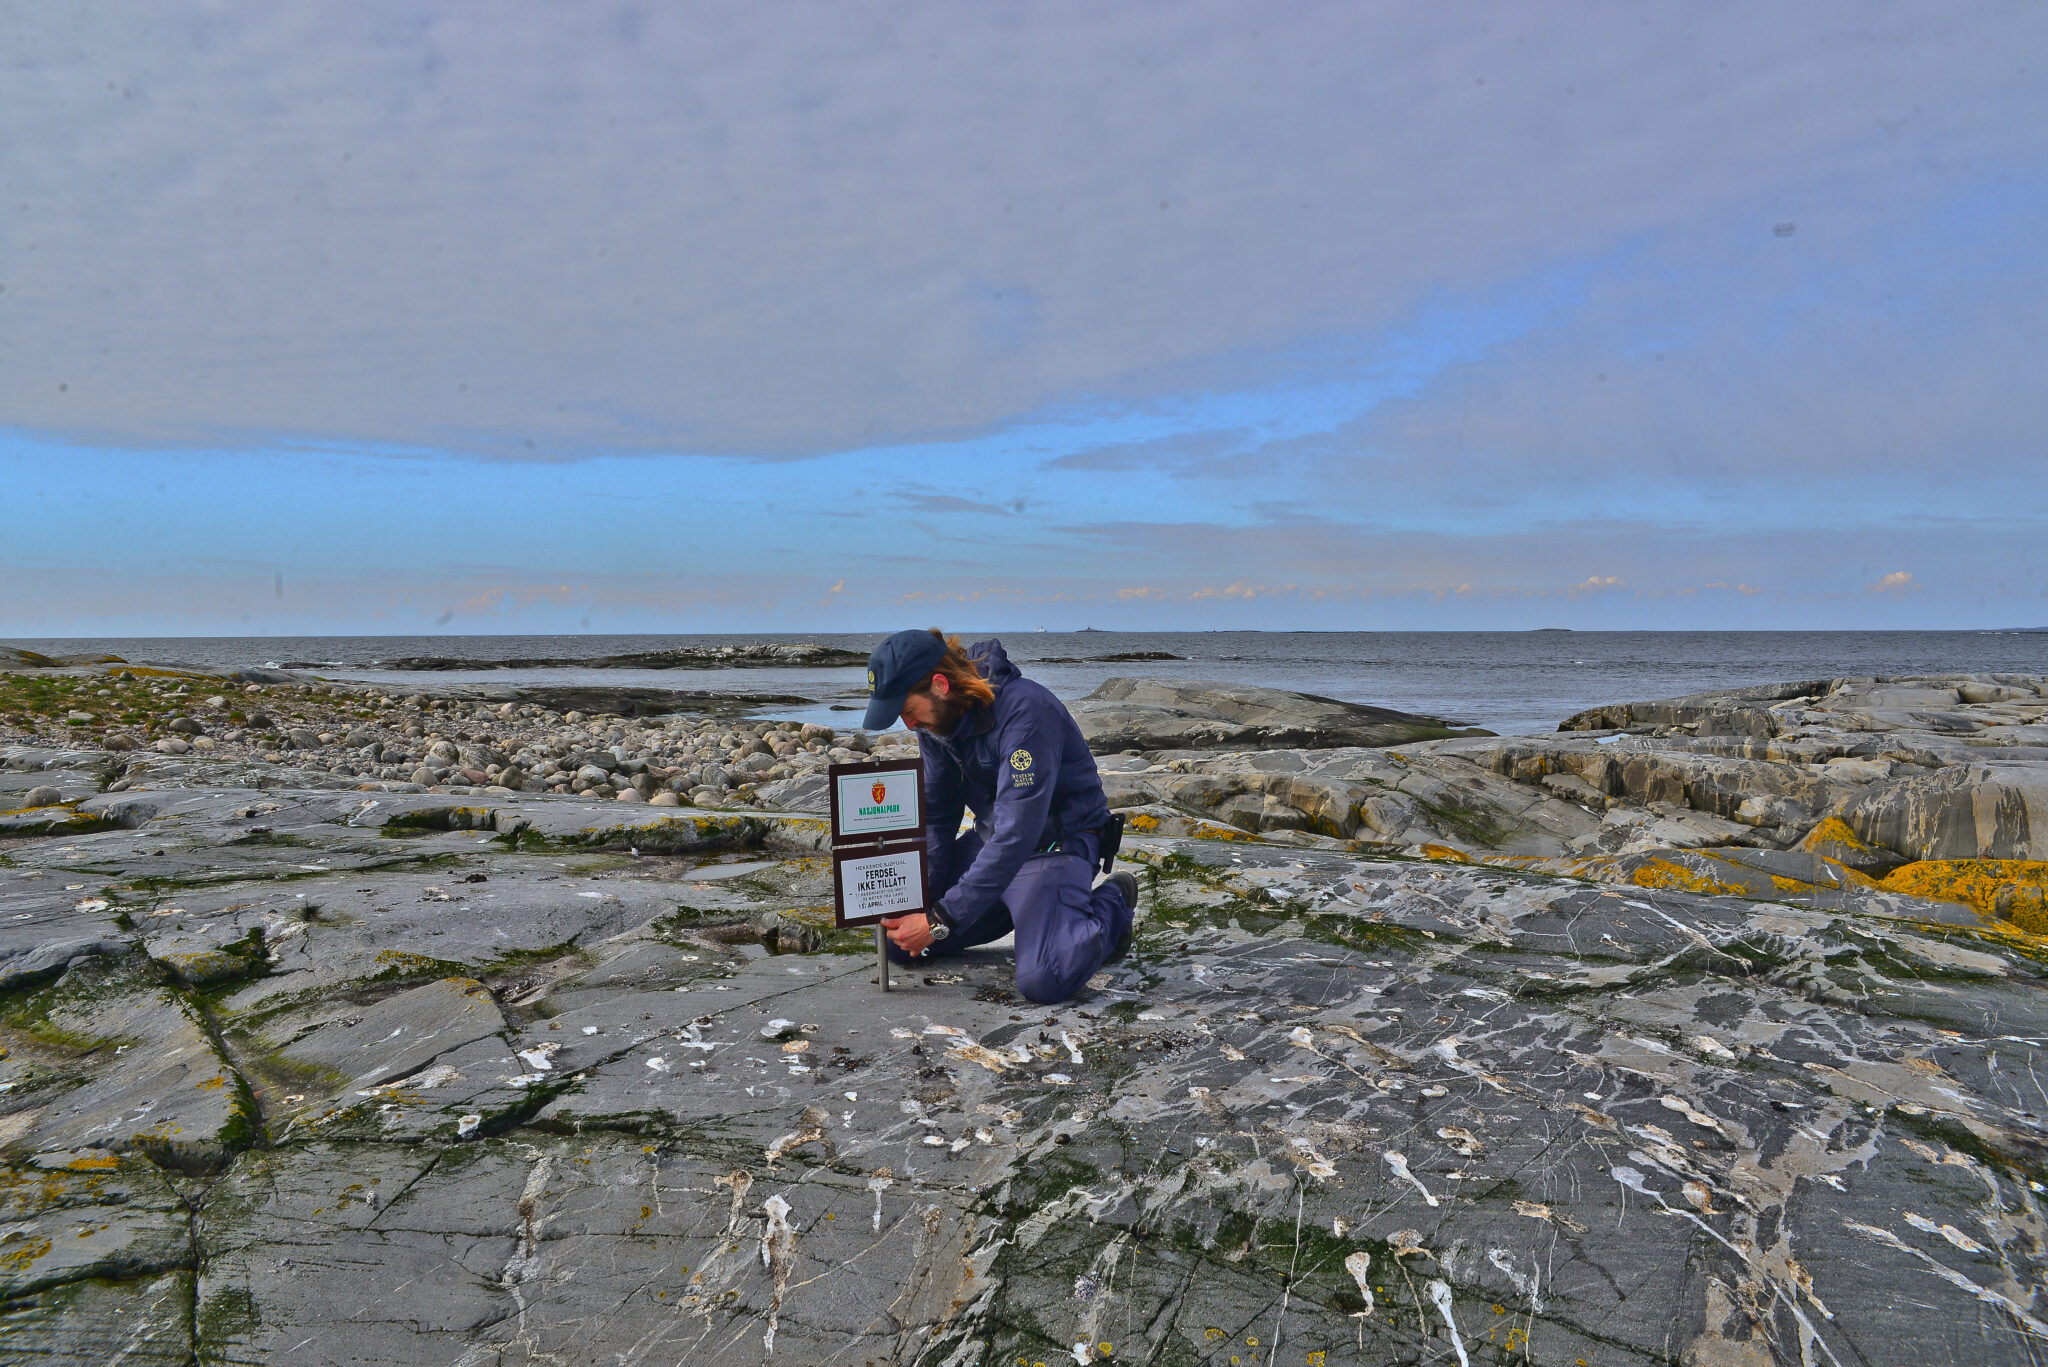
(912, 934)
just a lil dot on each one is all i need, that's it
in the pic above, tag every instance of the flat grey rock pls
(400, 1034)
(84, 1214)
(154, 1082)
(123, 1316)
(33, 962)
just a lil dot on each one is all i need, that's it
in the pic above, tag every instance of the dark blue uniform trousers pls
(1065, 928)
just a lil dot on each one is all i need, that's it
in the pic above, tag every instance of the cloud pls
(385, 601)
(951, 503)
(1240, 589)
(1334, 315)
(1295, 576)
(1673, 374)
(1181, 453)
(1896, 583)
(506, 599)
(540, 230)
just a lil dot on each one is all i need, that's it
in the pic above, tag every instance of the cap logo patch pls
(871, 681)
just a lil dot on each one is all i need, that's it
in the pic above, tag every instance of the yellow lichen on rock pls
(398, 962)
(18, 1260)
(1832, 838)
(1209, 830)
(147, 672)
(1664, 873)
(2014, 890)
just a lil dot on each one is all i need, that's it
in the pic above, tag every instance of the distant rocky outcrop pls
(13, 657)
(792, 655)
(1162, 714)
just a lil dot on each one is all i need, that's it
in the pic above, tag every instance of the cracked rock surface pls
(315, 1075)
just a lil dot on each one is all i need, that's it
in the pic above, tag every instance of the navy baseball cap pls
(899, 664)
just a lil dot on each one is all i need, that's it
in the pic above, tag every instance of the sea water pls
(1507, 681)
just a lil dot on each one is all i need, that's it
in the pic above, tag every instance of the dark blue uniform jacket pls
(1020, 765)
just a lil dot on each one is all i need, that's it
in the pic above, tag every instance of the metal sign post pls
(878, 851)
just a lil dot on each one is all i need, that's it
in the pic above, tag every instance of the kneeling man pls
(1005, 748)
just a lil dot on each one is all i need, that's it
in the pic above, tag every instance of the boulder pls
(1973, 811)
(805, 793)
(1733, 712)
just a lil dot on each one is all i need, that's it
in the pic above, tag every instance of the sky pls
(397, 318)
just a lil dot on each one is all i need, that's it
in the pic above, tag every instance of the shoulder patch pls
(1020, 760)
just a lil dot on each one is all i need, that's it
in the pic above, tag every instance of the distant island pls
(1121, 657)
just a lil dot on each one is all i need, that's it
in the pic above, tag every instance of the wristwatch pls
(936, 925)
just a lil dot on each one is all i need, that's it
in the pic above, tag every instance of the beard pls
(947, 714)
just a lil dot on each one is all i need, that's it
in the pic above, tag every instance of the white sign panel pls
(882, 884)
(878, 801)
